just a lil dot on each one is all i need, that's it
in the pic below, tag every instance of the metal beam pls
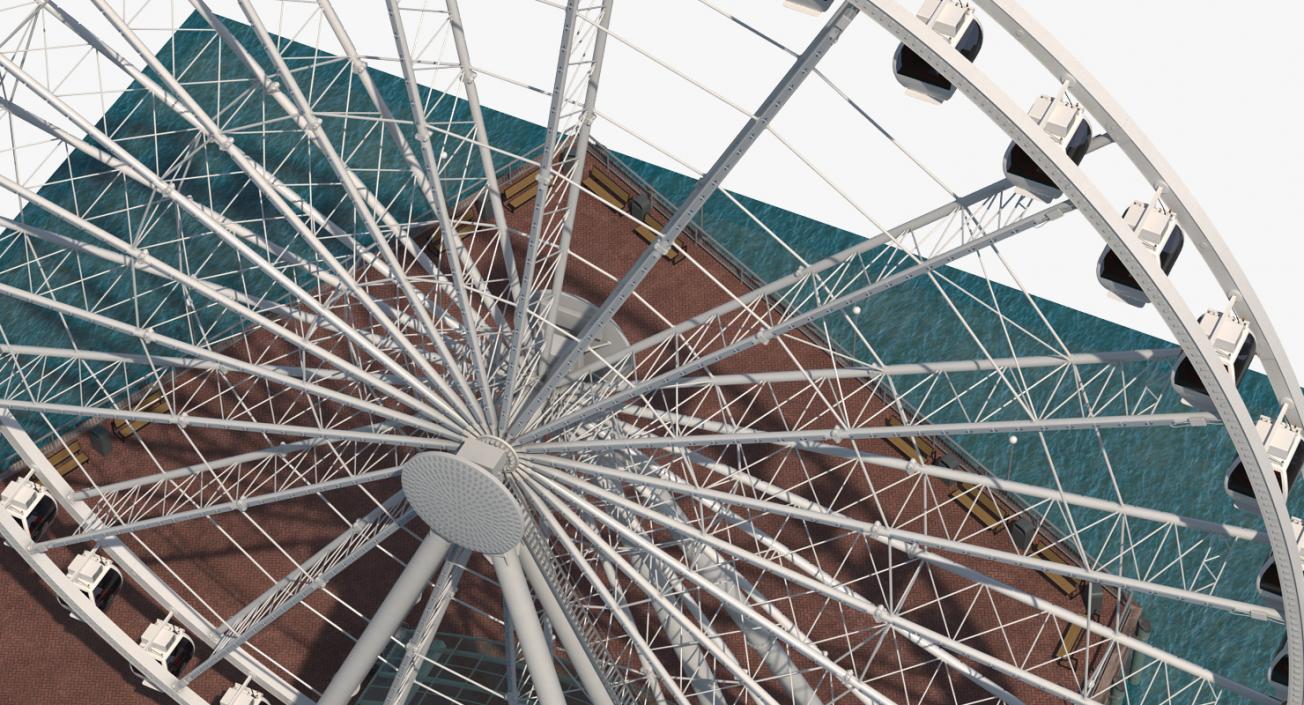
(585, 669)
(800, 509)
(307, 578)
(525, 620)
(424, 634)
(100, 529)
(798, 438)
(1121, 357)
(697, 198)
(405, 590)
(543, 178)
(768, 333)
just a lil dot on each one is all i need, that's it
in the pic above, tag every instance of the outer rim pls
(1094, 207)
(1082, 195)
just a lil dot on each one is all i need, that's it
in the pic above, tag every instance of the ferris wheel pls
(325, 381)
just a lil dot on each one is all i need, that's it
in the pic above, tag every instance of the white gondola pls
(30, 505)
(169, 645)
(1281, 442)
(1279, 673)
(1234, 345)
(953, 20)
(1066, 123)
(96, 577)
(1158, 232)
(243, 695)
(809, 7)
(1269, 583)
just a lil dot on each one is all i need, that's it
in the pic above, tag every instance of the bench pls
(649, 233)
(606, 188)
(67, 457)
(967, 496)
(1069, 641)
(153, 403)
(522, 190)
(1071, 587)
(916, 449)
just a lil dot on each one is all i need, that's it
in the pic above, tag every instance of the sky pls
(1208, 83)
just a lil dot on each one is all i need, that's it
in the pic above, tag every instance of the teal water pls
(1170, 469)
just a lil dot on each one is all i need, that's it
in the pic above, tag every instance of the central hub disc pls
(463, 503)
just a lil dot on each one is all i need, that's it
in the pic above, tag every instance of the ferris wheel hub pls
(462, 499)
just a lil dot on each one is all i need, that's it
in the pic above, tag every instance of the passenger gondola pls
(953, 20)
(1234, 345)
(1066, 123)
(1269, 582)
(96, 577)
(169, 645)
(810, 7)
(1281, 442)
(30, 505)
(1279, 673)
(243, 695)
(1158, 232)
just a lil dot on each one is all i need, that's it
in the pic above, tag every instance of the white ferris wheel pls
(324, 381)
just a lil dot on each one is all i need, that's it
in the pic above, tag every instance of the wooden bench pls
(522, 190)
(917, 449)
(606, 188)
(468, 222)
(153, 403)
(650, 234)
(983, 506)
(67, 457)
(1071, 587)
(1069, 641)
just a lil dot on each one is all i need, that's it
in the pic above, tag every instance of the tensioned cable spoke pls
(149, 336)
(913, 466)
(482, 142)
(799, 437)
(307, 578)
(929, 368)
(689, 627)
(619, 611)
(210, 465)
(93, 533)
(131, 167)
(544, 178)
(846, 597)
(768, 333)
(807, 650)
(877, 530)
(365, 204)
(682, 527)
(1068, 616)
(134, 257)
(702, 190)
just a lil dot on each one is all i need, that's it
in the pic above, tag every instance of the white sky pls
(1207, 82)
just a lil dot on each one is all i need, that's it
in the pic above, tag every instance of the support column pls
(420, 569)
(525, 621)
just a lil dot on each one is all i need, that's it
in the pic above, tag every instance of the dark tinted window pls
(1018, 163)
(1079, 142)
(1111, 268)
(1184, 376)
(908, 63)
(1172, 248)
(971, 42)
(1239, 482)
